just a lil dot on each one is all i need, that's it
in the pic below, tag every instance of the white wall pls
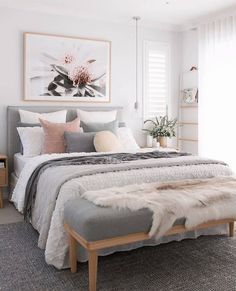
(14, 22)
(189, 49)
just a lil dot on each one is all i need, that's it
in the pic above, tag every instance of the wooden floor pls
(9, 214)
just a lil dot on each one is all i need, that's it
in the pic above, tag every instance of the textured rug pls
(204, 264)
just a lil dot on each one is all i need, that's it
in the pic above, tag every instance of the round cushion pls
(106, 141)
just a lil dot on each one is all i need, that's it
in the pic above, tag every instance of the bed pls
(19, 163)
(63, 178)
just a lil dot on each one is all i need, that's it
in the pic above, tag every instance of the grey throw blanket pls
(117, 158)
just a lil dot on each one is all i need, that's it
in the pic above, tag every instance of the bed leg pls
(93, 264)
(231, 229)
(73, 253)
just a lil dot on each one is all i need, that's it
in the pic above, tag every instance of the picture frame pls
(190, 95)
(64, 69)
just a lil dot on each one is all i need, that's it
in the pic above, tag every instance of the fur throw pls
(198, 200)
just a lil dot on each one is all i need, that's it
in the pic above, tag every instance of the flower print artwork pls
(66, 69)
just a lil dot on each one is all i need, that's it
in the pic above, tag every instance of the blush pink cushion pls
(54, 135)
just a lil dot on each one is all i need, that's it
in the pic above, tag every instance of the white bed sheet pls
(19, 163)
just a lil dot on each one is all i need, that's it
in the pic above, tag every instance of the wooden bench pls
(94, 246)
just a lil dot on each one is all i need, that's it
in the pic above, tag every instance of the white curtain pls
(217, 90)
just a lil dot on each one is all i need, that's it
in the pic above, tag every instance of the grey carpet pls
(208, 263)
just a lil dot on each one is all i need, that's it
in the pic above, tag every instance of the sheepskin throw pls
(198, 200)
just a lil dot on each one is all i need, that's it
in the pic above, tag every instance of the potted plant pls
(161, 128)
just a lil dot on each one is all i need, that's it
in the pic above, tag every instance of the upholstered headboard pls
(13, 119)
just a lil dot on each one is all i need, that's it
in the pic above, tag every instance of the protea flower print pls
(73, 73)
(74, 79)
(61, 68)
(80, 76)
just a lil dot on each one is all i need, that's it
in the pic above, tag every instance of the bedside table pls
(3, 176)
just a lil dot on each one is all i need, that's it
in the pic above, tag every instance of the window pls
(156, 78)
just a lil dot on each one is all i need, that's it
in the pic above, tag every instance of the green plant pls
(161, 127)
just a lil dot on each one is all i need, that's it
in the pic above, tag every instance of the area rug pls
(207, 263)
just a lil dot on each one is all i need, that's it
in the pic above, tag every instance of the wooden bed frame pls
(94, 246)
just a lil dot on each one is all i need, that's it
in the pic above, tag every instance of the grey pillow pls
(77, 142)
(96, 127)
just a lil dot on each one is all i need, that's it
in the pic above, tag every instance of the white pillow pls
(106, 141)
(31, 139)
(33, 117)
(127, 140)
(97, 116)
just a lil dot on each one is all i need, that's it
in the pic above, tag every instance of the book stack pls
(2, 165)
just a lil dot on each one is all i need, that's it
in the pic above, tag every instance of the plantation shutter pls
(156, 79)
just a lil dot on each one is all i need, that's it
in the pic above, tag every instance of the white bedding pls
(19, 163)
(18, 195)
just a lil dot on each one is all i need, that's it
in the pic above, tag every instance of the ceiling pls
(167, 13)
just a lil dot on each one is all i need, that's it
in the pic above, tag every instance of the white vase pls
(149, 141)
(155, 143)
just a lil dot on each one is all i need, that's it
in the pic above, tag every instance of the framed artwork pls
(190, 95)
(59, 68)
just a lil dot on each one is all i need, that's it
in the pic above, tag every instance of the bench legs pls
(73, 253)
(231, 229)
(92, 247)
(93, 265)
(93, 262)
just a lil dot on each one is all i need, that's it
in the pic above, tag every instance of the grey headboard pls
(13, 118)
